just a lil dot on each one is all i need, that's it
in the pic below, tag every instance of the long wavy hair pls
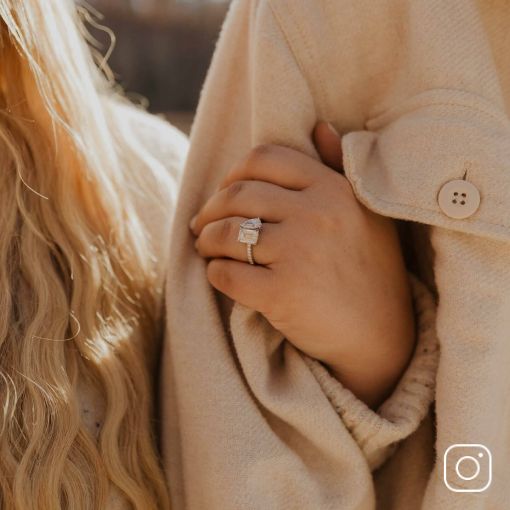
(78, 292)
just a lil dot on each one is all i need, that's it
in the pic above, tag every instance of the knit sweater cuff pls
(378, 433)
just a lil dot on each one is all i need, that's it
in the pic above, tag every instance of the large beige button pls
(459, 199)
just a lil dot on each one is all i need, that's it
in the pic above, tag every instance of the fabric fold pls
(378, 432)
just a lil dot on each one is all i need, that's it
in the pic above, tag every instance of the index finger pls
(278, 165)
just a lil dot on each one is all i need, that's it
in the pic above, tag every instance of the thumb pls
(329, 145)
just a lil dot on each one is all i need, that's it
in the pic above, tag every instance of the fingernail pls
(332, 129)
(193, 223)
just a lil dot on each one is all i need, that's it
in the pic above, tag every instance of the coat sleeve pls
(247, 422)
(378, 433)
(256, 93)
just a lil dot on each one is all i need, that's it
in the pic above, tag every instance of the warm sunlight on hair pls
(76, 274)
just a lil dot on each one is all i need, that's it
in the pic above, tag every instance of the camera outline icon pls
(470, 456)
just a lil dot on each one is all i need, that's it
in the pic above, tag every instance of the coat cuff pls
(378, 433)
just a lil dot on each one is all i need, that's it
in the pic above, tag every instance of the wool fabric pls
(421, 91)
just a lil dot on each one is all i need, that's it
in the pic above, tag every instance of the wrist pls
(372, 378)
(372, 387)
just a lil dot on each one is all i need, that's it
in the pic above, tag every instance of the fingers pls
(246, 284)
(257, 187)
(249, 199)
(278, 165)
(287, 167)
(329, 145)
(219, 240)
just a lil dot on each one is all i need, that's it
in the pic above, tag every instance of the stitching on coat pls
(309, 52)
(371, 195)
(375, 120)
(368, 193)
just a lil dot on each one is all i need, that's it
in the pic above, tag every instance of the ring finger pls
(219, 240)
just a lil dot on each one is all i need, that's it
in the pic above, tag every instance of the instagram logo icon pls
(467, 468)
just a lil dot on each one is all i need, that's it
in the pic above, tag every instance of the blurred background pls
(163, 49)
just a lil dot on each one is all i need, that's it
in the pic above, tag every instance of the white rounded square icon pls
(467, 468)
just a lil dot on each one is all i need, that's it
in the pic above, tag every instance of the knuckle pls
(234, 189)
(263, 149)
(204, 239)
(226, 231)
(218, 276)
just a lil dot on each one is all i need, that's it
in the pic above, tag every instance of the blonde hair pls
(78, 292)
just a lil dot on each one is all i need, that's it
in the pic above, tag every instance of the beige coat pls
(422, 87)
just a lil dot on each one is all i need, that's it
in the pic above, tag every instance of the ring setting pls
(249, 233)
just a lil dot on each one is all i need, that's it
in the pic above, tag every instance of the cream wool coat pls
(421, 88)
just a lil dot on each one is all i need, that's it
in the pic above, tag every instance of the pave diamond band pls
(249, 233)
(249, 254)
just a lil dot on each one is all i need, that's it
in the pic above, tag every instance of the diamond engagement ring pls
(249, 232)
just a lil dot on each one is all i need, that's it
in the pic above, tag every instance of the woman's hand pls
(331, 275)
